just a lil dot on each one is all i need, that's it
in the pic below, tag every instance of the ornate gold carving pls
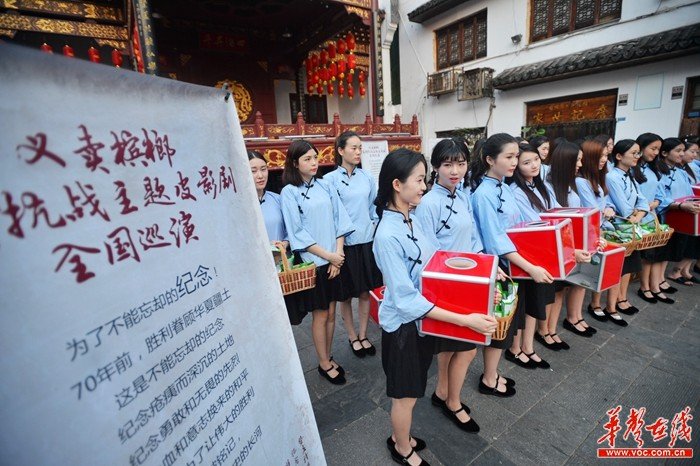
(326, 155)
(241, 96)
(115, 44)
(56, 26)
(9, 4)
(275, 158)
(366, 4)
(8, 32)
(82, 10)
(362, 13)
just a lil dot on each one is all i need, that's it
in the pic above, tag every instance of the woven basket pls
(654, 240)
(295, 280)
(504, 323)
(630, 246)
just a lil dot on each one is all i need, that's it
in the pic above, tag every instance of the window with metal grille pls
(462, 41)
(550, 18)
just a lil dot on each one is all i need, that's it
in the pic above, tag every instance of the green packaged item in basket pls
(508, 302)
(303, 264)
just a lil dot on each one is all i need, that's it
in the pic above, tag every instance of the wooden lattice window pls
(553, 17)
(461, 42)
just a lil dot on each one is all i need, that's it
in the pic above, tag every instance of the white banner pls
(142, 321)
(373, 155)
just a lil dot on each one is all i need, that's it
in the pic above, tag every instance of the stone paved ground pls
(557, 414)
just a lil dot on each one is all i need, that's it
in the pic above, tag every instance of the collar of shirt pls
(262, 198)
(445, 191)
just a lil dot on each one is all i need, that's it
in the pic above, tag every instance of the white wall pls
(350, 111)
(506, 18)
(282, 90)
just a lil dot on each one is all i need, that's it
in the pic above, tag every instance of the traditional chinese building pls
(293, 67)
(571, 68)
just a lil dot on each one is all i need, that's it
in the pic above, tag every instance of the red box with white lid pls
(460, 282)
(682, 221)
(548, 243)
(603, 272)
(696, 190)
(585, 222)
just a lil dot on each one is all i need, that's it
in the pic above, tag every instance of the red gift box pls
(459, 282)
(548, 243)
(585, 221)
(376, 296)
(696, 189)
(603, 272)
(682, 221)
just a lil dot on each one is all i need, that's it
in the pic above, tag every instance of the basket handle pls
(625, 219)
(283, 251)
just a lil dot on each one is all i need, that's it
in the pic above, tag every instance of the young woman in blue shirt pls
(402, 249)
(359, 274)
(445, 214)
(496, 210)
(317, 225)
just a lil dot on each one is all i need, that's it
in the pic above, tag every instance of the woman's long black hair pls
(667, 146)
(563, 172)
(644, 140)
(520, 182)
(490, 148)
(397, 165)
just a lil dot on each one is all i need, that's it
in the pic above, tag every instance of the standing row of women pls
(349, 229)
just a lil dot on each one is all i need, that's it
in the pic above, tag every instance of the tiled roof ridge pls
(661, 45)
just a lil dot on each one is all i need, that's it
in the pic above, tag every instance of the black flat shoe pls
(669, 289)
(360, 353)
(550, 346)
(692, 278)
(643, 294)
(399, 458)
(599, 317)
(420, 444)
(440, 403)
(571, 328)
(589, 329)
(340, 370)
(682, 280)
(371, 351)
(661, 299)
(509, 382)
(337, 380)
(542, 364)
(615, 318)
(562, 344)
(470, 426)
(516, 360)
(629, 311)
(486, 390)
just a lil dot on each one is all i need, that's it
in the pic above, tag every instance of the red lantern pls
(342, 47)
(331, 51)
(363, 91)
(116, 58)
(333, 70)
(348, 78)
(68, 51)
(350, 39)
(319, 89)
(325, 75)
(316, 78)
(46, 48)
(351, 91)
(341, 67)
(351, 63)
(329, 88)
(314, 61)
(341, 89)
(94, 55)
(309, 88)
(309, 66)
(323, 58)
(361, 76)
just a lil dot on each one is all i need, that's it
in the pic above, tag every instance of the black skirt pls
(537, 297)
(324, 292)
(653, 255)
(632, 264)
(406, 358)
(448, 345)
(359, 272)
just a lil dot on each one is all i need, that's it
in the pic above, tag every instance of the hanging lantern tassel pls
(341, 66)
(333, 70)
(352, 63)
(319, 89)
(363, 91)
(341, 89)
(350, 40)
(329, 88)
(351, 91)
(46, 48)
(314, 61)
(94, 55)
(341, 47)
(309, 88)
(331, 51)
(68, 51)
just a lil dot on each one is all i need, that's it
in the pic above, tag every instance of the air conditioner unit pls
(475, 84)
(442, 82)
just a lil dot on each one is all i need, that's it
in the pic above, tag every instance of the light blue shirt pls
(572, 198)
(450, 219)
(357, 193)
(401, 250)
(313, 214)
(623, 193)
(674, 185)
(544, 170)
(695, 166)
(648, 188)
(530, 212)
(495, 210)
(271, 206)
(590, 199)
